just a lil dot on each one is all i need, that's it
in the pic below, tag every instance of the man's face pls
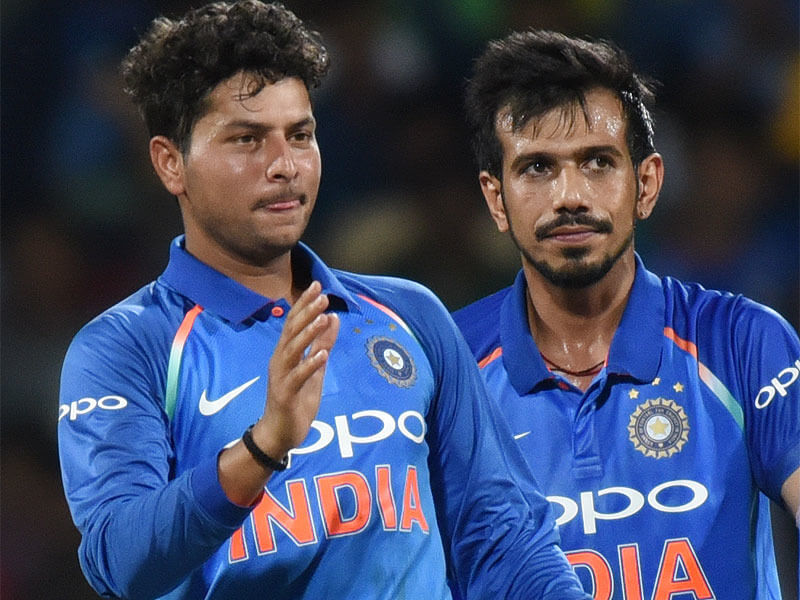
(251, 173)
(568, 194)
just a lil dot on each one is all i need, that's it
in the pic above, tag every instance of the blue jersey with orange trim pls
(659, 470)
(387, 492)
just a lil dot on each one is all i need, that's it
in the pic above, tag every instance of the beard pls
(578, 272)
(247, 240)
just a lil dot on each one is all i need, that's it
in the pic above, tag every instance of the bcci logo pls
(658, 428)
(392, 361)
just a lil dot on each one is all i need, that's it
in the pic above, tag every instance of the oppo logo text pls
(636, 500)
(778, 385)
(376, 425)
(87, 405)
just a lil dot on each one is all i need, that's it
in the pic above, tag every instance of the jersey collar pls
(635, 349)
(521, 357)
(637, 344)
(231, 300)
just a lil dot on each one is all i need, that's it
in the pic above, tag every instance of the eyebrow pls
(581, 152)
(260, 128)
(601, 149)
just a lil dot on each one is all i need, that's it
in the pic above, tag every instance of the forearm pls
(544, 576)
(242, 478)
(515, 558)
(142, 547)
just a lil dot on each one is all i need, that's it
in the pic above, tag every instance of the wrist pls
(264, 456)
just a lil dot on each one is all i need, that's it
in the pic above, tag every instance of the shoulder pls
(417, 307)
(691, 304)
(730, 332)
(139, 323)
(402, 295)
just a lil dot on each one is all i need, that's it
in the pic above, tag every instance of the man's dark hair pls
(177, 63)
(534, 71)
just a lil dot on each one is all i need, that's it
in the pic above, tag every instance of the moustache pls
(566, 220)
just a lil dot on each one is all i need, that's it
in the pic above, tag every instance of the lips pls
(284, 204)
(287, 201)
(572, 237)
(571, 232)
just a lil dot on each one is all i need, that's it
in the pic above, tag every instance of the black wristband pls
(261, 458)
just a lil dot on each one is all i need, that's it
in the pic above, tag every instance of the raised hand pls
(296, 370)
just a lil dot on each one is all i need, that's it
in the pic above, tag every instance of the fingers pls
(323, 342)
(297, 370)
(307, 338)
(312, 363)
(311, 303)
(301, 322)
(311, 368)
(326, 337)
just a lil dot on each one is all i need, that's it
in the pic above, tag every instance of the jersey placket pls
(586, 462)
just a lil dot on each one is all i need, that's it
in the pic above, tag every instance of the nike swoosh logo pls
(519, 436)
(212, 407)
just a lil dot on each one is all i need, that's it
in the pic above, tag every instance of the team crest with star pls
(658, 428)
(392, 361)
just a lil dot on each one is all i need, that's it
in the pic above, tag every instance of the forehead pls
(602, 122)
(245, 95)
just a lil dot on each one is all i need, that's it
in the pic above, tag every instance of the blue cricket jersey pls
(403, 474)
(657, 471)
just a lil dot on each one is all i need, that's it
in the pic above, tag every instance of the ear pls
(492, 190)
(168, 163)
(651, 177)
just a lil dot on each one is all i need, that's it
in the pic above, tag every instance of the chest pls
(624, 434)
(376, 395)
(653, 476)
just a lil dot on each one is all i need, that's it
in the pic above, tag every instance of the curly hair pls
(170, 73)
(534, 71)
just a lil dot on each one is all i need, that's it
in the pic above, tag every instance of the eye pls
(539, 166)
(302, 137)
(600, 162)
(247, 138)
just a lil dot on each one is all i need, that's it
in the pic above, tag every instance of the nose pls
(570, 193)
(282, 167)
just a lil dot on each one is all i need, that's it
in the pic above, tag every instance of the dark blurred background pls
(85, 221)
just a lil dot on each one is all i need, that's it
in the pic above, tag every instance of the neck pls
(272, 278)
(589, 371)
(573, 328)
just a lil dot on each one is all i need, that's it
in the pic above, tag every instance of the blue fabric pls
(662, 464)
(404, 477)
